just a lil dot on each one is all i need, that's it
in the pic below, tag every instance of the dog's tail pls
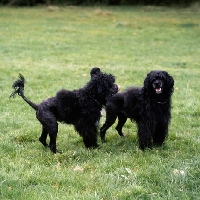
(18, 86)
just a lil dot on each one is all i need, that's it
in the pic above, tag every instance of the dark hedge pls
(99, 2)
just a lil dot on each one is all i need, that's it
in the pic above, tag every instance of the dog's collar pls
(160, 102)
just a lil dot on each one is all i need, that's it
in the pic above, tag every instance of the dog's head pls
(159, 82)
(102, 87)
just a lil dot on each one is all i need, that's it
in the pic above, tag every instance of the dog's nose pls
(157, 83)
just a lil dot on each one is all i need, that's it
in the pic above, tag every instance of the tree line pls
(98, 2)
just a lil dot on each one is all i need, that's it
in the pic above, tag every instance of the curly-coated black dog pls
(81, 107)
(148, 106)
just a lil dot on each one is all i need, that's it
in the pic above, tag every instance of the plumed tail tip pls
(18, 86)
(19, 83)
(21, 77)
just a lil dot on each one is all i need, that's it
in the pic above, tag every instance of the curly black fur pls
(95, 71)
(79, 107)
(148, 106)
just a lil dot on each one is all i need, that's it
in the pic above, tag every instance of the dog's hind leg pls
(50, 126)
(121, 121)
(110, 120)
(43, 136)
(53, 135)
(144, 135)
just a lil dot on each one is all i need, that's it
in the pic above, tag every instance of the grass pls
(55, 48)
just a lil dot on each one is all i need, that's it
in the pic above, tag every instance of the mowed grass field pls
(55, 48)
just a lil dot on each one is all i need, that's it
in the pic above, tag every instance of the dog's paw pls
(103, 140)
(122, 135)
(58, 151)
(43, 142)
(95, 146)
(102, 135)
(144, 147)
(91, 146)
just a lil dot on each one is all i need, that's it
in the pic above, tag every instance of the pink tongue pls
(158, 89)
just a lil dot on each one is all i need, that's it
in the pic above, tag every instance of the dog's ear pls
(95, 71)
(147, 82)
(170, 82)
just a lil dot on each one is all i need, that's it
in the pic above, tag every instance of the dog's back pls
(124, 102)
(67, 105)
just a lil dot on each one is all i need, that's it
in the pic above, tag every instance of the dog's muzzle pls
(158, 87)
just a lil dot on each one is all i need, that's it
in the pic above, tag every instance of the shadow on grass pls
(189, 25)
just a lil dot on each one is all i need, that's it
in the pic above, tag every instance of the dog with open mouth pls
(149, 106)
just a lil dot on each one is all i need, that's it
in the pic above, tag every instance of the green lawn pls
(55, 48)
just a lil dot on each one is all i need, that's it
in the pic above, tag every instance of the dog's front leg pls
(160, 134)
(89, 135)
(144, 135)
(88, 132)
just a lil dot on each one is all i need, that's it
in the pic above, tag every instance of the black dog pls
(80, 107)
(149, 106)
